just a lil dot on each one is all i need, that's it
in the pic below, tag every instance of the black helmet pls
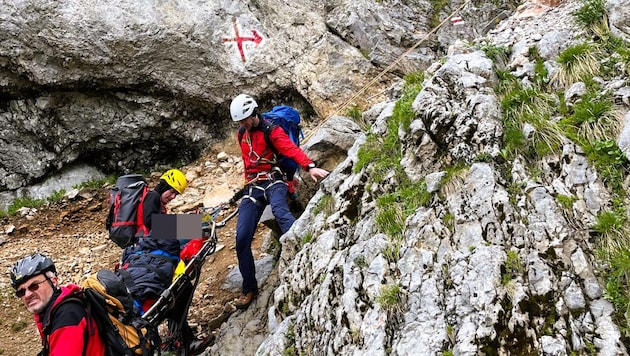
(30, 266)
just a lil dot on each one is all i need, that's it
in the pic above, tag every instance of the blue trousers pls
(256, 198)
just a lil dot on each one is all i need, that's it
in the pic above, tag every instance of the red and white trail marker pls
(456, 21)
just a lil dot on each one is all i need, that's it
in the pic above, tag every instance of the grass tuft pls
(578, 63)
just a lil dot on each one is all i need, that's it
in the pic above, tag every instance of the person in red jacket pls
(64, 328)
(267, 185)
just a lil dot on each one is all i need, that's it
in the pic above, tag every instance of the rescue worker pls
(64, 327)
(148, 267)
(267, 184)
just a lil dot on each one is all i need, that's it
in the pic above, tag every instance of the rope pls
(386, 70)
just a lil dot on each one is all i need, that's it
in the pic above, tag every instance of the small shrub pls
(506, 81)
(414, 79)
(484, 157)
(512, 268)
(449, 220)
(594, 117)
(356, 115)
(498, 54)
(531, 106)
(437, 6)
(360, 261)
(616, 290)
(390, 217)
(566, 201)
(591, 13)
(354, 112)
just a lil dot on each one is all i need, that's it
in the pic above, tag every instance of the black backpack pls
(125, 220)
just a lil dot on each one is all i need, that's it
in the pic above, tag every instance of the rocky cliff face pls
(492, 262)
(486, 259)
(123, 86)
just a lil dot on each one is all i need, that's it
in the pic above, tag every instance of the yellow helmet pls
(176, 179)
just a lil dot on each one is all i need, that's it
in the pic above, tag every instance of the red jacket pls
(258, 157)
(66, 327)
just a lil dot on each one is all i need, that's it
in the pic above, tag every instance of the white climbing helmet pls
(242, 107)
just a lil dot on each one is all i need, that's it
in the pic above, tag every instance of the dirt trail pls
(73, 234)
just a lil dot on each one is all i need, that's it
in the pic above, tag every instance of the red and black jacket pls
(259, 157)
(65, 327)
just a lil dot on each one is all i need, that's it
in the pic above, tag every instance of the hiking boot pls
(198, 346)
(245, 300)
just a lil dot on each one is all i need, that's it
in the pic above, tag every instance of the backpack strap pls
(73, 298)
(266, 127)
(142, 229)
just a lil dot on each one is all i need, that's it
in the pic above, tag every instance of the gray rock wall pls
(457, 250)
(126, 85)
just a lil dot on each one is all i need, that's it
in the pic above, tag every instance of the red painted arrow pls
(256, 38)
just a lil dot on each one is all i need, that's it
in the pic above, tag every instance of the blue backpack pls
(289, 119)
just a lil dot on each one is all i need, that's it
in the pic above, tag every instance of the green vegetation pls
(531, 107)
(592, 123)
(593, 118)
(322, 278)
(389, 297)
(289, 339)
(326, 205)
(438, 6)
(591, 13)
(308, 237)
(616, 290)
(578, 63)
(356, 114)
(18, 325)
(566, 201)
(512, 267)
(55, 197)
(360, 261)
(611, 227)
(28, 202)
(23, 202)
(498, 54)
(381, 156)
(454, 178)
(96, 183)
(449, 221)
(483, 157)
(541, 74)
(392, 250)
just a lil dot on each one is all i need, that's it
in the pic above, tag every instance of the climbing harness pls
(260, 181)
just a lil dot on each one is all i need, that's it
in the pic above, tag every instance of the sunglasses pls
(33, 287)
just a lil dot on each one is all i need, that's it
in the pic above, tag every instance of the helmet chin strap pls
(54, 286)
